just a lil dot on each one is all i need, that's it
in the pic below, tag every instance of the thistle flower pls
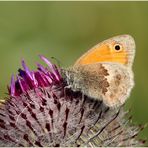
(42, 111)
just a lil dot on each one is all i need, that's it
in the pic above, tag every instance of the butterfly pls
(105, 71)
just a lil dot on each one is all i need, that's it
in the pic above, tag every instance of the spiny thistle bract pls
(42, 111)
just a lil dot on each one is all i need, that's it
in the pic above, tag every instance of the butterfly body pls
(105, 74)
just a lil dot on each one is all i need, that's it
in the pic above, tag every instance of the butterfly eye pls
(117, 47)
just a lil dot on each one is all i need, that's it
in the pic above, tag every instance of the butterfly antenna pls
(57, 60)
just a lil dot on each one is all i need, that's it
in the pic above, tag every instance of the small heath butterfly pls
(105, 71)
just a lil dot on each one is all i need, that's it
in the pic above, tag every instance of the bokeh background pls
(65, 30)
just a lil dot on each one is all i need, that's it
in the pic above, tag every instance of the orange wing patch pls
(106, 52)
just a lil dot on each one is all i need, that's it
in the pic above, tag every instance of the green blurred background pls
(65, 30)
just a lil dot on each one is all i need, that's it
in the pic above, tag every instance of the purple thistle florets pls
(27, 80)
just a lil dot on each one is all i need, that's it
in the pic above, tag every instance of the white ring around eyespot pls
(117, 44)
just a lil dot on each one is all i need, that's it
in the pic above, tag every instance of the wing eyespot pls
(117, 47)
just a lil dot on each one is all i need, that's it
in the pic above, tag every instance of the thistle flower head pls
(42, 111)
